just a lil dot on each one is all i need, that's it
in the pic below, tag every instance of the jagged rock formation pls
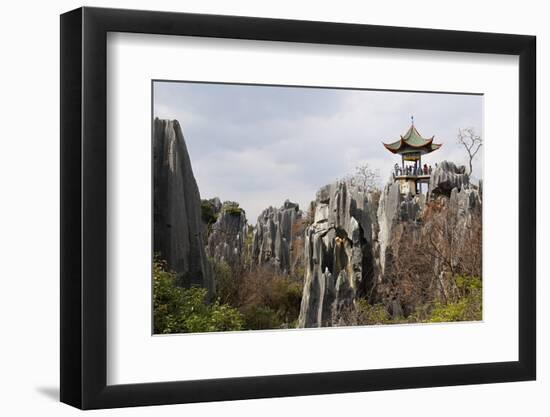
(216, 204)
(177, 208)
(464, 205)
(339, 258)
(409, 226)
(388, 210)
(277, 237)
(210, 209)
(450, 186)
(394, 208)
(359, 245)
(445, 177)
(226, 239)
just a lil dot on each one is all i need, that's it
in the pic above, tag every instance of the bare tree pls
(471, 142)
(424, 261)
(365, 177)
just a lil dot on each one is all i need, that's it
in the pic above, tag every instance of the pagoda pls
(411, 146)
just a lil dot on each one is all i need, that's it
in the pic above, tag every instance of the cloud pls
(261, 145)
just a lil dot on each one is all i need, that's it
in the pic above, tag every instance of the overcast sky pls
(260, 145)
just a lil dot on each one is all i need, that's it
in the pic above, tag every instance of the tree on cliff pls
(472, 143)
(365, 177)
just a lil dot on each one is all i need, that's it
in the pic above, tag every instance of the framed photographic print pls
(258, 207)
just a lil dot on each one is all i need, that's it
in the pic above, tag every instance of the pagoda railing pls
(412, 172)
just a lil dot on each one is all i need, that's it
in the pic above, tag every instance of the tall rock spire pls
(177, 208)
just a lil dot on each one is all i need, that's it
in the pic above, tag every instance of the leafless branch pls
(471, 142)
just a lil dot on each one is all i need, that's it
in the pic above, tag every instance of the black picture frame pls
(84, 207)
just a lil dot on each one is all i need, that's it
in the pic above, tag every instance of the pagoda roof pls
(412, 141)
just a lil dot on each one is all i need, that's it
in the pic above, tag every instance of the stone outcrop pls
(355, 239)
(388, 211)
(404, 220)
(394, 208)
(226, 238)
(178, 228)
(277, 237)
(445, 177)
(464, 204)
(210, 209)
(339, 258)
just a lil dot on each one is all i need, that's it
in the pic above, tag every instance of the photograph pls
(292, 207)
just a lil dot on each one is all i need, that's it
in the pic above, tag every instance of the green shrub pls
(468, 306)
(185, 310)
(227, 284)
(368, 314)
(261, 317)
(268, 299)
(208, 213)
(232, 209)
(285, 298)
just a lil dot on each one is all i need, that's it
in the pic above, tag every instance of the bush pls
(286, 298)
(208, 214)
(181, 310)
(232, 208)
(227, 284)
(368, 314)
(468, 306)
(260, 317)
(269, 300)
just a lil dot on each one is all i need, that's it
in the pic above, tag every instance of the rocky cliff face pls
(393, 209)
(427, 238)
(226, 240)
(445, 178)
(357, 240)
(277, 238)
(339, 258)
(178, 228)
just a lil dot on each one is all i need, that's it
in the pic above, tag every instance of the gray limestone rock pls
(276, 231)
(339, 258)
(445, 177)
(388, 212)
(226, 239)
(464, 204)
(453, 201)
(178, 229)
(394, 208)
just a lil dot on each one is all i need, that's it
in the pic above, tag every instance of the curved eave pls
(398, 148)
(393, 147)
(435, 146)
(405, 142)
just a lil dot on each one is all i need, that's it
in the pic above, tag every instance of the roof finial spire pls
(412, 120)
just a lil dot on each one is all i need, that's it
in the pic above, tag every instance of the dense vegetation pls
(466, 306)
(274, 303)
(252, 302)
(186, 310)
(435, 273)
(266, 299)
